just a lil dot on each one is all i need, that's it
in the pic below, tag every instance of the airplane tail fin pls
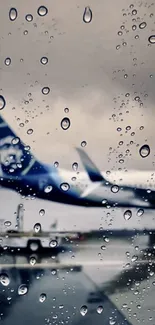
(15, 157)
(92, 170)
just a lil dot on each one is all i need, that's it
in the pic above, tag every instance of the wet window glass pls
(77, 162)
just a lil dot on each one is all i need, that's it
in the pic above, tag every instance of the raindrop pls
(83, 143)
(127, 214)
(56, 164)
(134, 12)
(118, 47)
(29, 131)
(87, 16)
(15, 140)
(119, 33)
(103, 247)
(22, 289)
(99, 309)
(140, 212)
(134, 258)
(115, 188)
(121, 161)
(48, 189)
(65, 123)
(128, 127)
(42, 212)
(7, 223)
(42, 297)
(2, 102)
(112, 321)
(37, 227)
(44, 60)
(13, 14)
(83, 310)
(42, 11)
(32, 260)
(144, 151)
(134, 27)
(45, 90)
(66, 110)
(29, 17)
(151, 39)
(53, 243)
(4, 279)
(125, 76)
(142, 25)
(137, 98)
(119, 129)
(25, 32)
(65, 187)
(7, 61)
(75, 166)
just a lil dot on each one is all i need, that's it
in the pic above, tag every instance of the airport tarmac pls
(87, 274)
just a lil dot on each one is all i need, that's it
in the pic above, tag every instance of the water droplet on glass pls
(25, 32)
(42, 297)
(42, 11)
(128, 127)
(7, 223)
(115, 188)
(15, 140)
(112, 321)
(119, 33)
(45, 90)
(134, 12)
(65, 187)
(48, 189)
(140, 212)
(103, 247)
(44, 60)
(29, 131)
(2, 102)
(83, 143)
(125, 76)
(99, 309)
(127, 214)
(65, 123)
(7, 61)
(75, 166)
(66, 110)
(37, 227)
(118, 47)
(42, 212)
(134, 258)
(134, 27)
(87, 16)
(13, 14)
(56, 164)
(32, 260)
(53, 243)
(4, 279)
(29, 17)
(83, 310)
(144, 151)
(22, 289)
(142, 25)
(151, 39)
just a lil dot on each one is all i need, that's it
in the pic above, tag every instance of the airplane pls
(21, 172)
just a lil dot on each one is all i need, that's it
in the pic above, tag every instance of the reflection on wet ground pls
(85, 283)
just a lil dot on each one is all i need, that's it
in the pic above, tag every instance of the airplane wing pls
(92, 170)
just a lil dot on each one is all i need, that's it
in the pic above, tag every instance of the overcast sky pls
(88, 75)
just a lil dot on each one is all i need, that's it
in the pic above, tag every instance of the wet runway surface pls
(86, 284)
